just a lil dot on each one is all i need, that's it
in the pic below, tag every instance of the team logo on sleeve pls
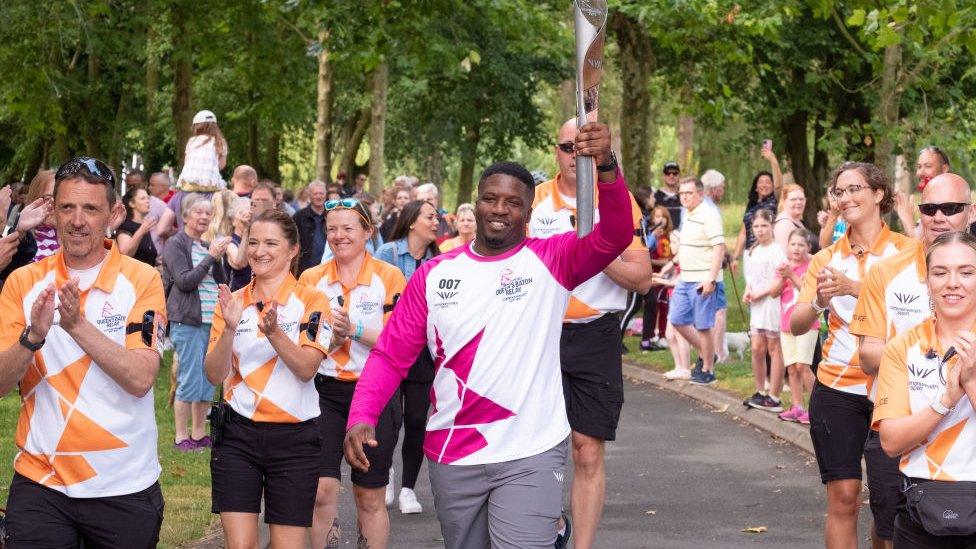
(512, 287)
(906, 304)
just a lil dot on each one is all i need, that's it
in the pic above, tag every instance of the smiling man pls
(491, 315)
(893, 300)
(78, 333)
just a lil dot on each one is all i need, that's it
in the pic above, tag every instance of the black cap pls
(671, 164)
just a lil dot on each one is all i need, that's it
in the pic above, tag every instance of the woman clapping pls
(266, 344)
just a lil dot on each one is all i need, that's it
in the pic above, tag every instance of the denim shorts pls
(190, 343)
(689, 307)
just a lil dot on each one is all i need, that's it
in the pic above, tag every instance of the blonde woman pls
(465, 225)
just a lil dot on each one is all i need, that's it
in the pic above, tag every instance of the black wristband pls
(609, 166)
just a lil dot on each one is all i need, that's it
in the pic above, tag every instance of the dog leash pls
(735, 291)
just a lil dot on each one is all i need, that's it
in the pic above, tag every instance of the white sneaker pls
(390, 489)
(677, 374)
(408, 502)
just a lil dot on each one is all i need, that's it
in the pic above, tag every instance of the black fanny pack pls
(942, 508)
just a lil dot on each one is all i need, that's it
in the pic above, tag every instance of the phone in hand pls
(767, 144)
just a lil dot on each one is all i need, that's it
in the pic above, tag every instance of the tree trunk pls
(351, 147)
(433, 168)
(636, 127)
(686, 143)
(323, 108)
(797, 146)
(150, 151)
(272, 147)
(182, 83)
(888, 109)
(377, 126)
(469, 154)
(821, 172)
(253, 148)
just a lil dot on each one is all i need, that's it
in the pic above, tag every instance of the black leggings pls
(416, 402)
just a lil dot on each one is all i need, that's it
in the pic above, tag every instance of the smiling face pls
(466, 224)
(764, 186)
(858, 203)
(501, 212)
(929, 165)
(81, 216)
(345, 233)
(945, 188)
(140, 202)
(197, 219)
(268, 251)
(952, 280)
(425, 226)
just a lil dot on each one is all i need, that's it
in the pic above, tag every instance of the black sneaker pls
(703, 378)
(645, 346)
(699, 364)
(562, 540)
(754, 401)
(771, 404)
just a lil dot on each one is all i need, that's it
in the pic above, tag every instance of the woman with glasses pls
(414, 242)
(790, 216)
(763, 195)
(926, 394)
(266, 344)
(362, 291)
(193, 268)
(840, 411)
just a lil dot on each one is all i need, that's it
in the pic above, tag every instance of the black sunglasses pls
(94, 167)
(947, 208)
(671, 172)
(567, 147)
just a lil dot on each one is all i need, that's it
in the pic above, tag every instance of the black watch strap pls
(26, 342)
(609, 166)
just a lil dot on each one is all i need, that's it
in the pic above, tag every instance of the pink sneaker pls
(804, 417)
(793, 414)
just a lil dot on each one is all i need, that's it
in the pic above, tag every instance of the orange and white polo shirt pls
(260, 386)
(79, 432)
(840, 368)
(552, 214)
(893, 298)
(370, 301)
(910, 378)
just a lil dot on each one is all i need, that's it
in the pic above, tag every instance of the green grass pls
(185, 478)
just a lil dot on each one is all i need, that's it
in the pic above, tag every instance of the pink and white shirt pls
(493, 326)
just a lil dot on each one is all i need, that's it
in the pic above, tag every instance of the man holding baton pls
(491, 315)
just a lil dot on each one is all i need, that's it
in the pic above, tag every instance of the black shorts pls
(334, 399)
(593, 381)
(839, 425)
(38, 516)
(278, 461)
(885, 484)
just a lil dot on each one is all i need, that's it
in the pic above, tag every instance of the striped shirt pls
(208, 286)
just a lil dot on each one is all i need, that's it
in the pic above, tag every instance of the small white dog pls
(738, 342)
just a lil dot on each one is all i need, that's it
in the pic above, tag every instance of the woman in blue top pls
(763, 195)
(414, 241)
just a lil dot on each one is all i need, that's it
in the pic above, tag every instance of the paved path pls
(679, 476)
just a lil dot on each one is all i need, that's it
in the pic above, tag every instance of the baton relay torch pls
(590, 21)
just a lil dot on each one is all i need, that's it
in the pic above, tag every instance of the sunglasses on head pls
(347, 204)
(567, 147)
(947, 208)
(94, 166)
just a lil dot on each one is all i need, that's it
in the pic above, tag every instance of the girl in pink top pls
(797, 350)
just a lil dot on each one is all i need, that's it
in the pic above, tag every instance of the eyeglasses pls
(94, 167)
(348, 203)
(672, 172)
(567, 147)
(839, 193)
(947, 208)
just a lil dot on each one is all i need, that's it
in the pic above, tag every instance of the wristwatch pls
(609, 166)
(26, 342)
(937, 405)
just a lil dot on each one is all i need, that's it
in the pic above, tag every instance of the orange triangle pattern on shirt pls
(67, 382)
(82, 434)
(70, 469)
(578, 309)
(938, 449)
(24, 421)
(35, 373)
(270, 412)
(259, 377)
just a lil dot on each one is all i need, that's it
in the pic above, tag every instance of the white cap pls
(204, 116)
